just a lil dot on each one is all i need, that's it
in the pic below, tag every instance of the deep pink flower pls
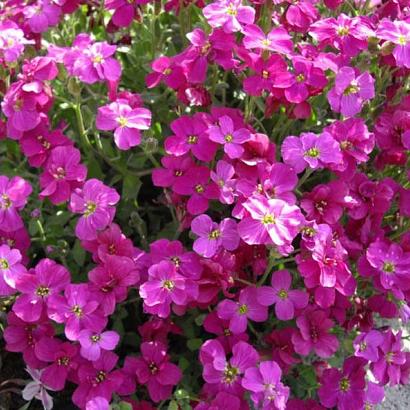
(77, 309)
(62, 174)
(124, 11)
(213, 236)
(125, 120)
(190, 135)
(344, 389)
(92, 343)
(111, 280)
(154, 370)
(13, 198)
(231, 138)
(270, 221)
(62, 357)
(310, 150)
(164, 287)
(351, 91)
(231, 15)
(277, 40)
(238, 313)
(41, 15)
(96, 202)
(222, 400)
(165, 69)
(397, 32)
(97, 379)
(48, 278)
(11, 269)
(223, 374)
(174, 168)
(267, 391)
(195, 183)
(300, 15)
(284, 299)
(223, 177)
(366, 345)
(314, 334)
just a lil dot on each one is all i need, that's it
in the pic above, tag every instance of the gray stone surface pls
(397, 398)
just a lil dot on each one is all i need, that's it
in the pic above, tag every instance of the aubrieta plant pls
(205, 204)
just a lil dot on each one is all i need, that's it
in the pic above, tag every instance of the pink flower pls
(267, 391)
(12, 41)
(213, 236)
(13, 198)
(231, 15)
(47, 279)
(11, 269)
(366, 345)
(344, 389)
(230, 138)
(62, 357)
(174, 168)
(223, 374)
(397, 32)
(222, 400)
(36, 389)
(97, 379)
(223, 177)
(126, 121)
(277, 40)
(77, 309)
(96, 202)
(166, 70)
(351, 91)
(238, 313)
(270, 221)
(190, 135)
(315, 151)
(111, 280)
(92, 343)
(42, 15)
(314, 334)
(155, 371)
(164, 287)
(195, 183)
(62, 174)
(284, 299)
(124, 11)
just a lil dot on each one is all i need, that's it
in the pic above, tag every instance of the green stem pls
(81, 129)
(41, 230)
(305, 176)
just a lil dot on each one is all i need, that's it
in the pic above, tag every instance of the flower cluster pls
(274, 235)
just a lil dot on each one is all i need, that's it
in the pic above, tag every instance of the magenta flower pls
(222, 400)
(62, 357)
(238, 313)
(351, 91)
(62, 174)
(124, 11)
(164, 287)
(13, 198)
(154, 370)
(267, 391)
(190, 135)
(344, 389)
(111, 281)
(223, 177)
(269, 74)
(222, 374)
(48, 278)
(96, 202)
(195, 183)
(277, 40)
(174, 167)
(230, 138)
(366, 345)
(166, 70)
(391, 358)
(92, 343)
(285, 300)
(314, 334)
(213, 236)
(397, 32)
(270, 221)
(125, 120)
(279, 183)
(231, 15)
(96, 63)
(97, 379)
(315, 151)
(22, 337)
(374, 395)
(77, 309)
(41, 15)
(11, 269)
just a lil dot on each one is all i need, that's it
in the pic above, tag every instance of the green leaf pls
(78, 253)
(181, 394)
(173, 405)
(124, 406)
(194, 344)
(130, 187)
